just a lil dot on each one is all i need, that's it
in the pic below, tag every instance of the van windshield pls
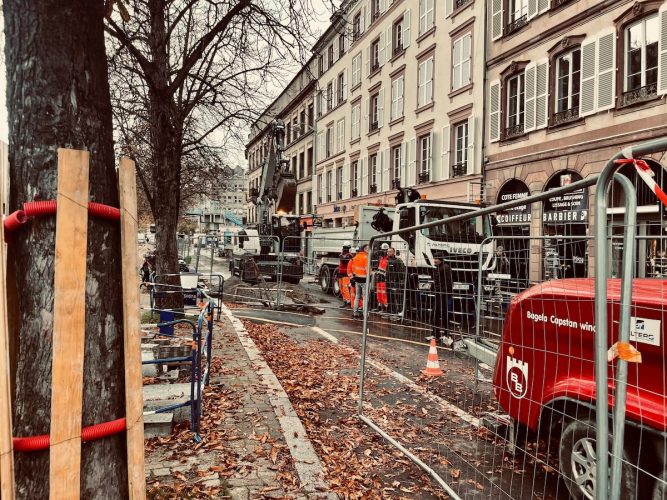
(471, 230)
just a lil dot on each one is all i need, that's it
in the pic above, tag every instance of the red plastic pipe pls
(103, 211)
(90, 433)
(15, 220)
(39, 208)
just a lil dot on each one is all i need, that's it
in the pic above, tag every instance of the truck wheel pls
(325, 279)
(577, 461)
(335, 287)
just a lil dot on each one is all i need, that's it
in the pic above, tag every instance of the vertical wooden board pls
(69, 324)
(134, 403)
(6, 457)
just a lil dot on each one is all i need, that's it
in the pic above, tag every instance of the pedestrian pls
(442, 287)
(395, 282)
(381, 279)
(343, 280)
(501, 264)
(358, 266)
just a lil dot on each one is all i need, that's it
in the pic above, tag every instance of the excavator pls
(270, 248)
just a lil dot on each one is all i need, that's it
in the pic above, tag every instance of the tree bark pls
(58, 96)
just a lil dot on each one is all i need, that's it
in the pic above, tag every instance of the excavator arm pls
(277, 185)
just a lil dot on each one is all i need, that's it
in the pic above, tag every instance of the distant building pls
(225, 207)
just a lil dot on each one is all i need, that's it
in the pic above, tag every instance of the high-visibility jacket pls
(344, 259)
(358, 265)
(382, 267)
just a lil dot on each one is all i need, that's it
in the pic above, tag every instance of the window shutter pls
(368, 15)
(381, 107)
(346, 181)
(333, 99)
(382, 6)
(335, 50)
(404, 163)
(606, 74)
(530, 80)
(411, 173)
(388, 54)
(420, 84)
(494, 111)
(446, 141)
(363, 189)
(386, 166)
(471, 157)
(406, 29)
(366, 116)
(449, 7)
(541, 93)
(542, 6)
(345, 84)
(429, 79)
(496, 19)
(394, 98)
(437, 167)
(532, 8)
(382, 49)
(368, 60)
(429, 15)
(334, 184)
(431, 137)
(662, 50)
(588, 80)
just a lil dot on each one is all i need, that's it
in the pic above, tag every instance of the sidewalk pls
(253, 444)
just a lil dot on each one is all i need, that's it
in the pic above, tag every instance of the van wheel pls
(578, 461)
(325, 279)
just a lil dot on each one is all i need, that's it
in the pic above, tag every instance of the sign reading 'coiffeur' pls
(513, 189)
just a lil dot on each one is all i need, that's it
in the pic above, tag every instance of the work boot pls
(344, 305)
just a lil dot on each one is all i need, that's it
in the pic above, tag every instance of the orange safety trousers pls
(382, 293)
(344, 284)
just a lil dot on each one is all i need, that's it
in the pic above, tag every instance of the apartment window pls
(375, 9)
(517, 16)
(288, 133)
(294, 160)
(424, 149)
(356, 27)
(320, 188)
(397, 90)
(341, 45)
(330, 52)
(302, 122)
(302, 166)
(329, 96)
(356, 118)
(311, 115)
(339, 183)
(461, 49)
(375, 55)
(329, 184)
(460, 166)
(340, 125)
(320, 104)
(296, 133)
(356, 70)
(320, 64)
(309, 202)
(373, 171)
(354, 175)
(309, 161)
(425, 82)
(340, 88)
(373, 123)
(515, 105)
(425, 15)
(329, 142)
(301, 207)
(641, 60)
(396, 160)
(568, 81)
(397, 37)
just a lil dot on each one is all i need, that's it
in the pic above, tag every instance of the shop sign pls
(317, 221)
(511, 191)
(568, 207)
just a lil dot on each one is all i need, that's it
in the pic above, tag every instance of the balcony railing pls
(253, 193)
(398, 48)
(566, 116)
(460, 3)
(373, 188)
(641, 94)
(514, 131)
(375, 66)
(339, 98)
(356, 33)
(424, 177)
(460, 169)
(396, 183)
(340, 195)
(558, 3)
(319, 199)
(375, 15)
(354, 193)
(517, 24)
(373, 126)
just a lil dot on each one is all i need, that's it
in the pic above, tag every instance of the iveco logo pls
(460, 250)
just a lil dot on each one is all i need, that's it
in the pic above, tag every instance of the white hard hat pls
(384, 246)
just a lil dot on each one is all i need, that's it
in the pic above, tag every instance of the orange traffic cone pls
(432, 363)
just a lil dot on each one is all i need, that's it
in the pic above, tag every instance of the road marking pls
(270, 320)
(444, 404)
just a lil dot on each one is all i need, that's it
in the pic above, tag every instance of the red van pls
(544, 377)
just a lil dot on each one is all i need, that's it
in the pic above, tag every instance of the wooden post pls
(69, 324)
(6, 457)
(134, 403)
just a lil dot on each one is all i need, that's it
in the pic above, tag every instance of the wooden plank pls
(6, 456)
(134, 403)
(69, 324)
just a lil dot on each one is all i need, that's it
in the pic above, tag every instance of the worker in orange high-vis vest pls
(343, 280)
(358, 277)
(381, 279)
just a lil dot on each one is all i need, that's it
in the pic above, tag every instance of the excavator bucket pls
(286, 195)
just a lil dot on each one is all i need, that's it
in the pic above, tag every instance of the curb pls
(306, 462)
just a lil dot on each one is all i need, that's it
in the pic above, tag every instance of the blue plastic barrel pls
(166, 316)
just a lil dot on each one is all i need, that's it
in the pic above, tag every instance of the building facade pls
(295, 107)
(398, 104)
(226, 206)
(571, 83)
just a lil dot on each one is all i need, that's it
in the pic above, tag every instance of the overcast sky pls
(323, 11)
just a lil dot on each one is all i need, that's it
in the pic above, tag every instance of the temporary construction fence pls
(559, 361)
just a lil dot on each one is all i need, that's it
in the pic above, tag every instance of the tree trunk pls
(58, 96)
